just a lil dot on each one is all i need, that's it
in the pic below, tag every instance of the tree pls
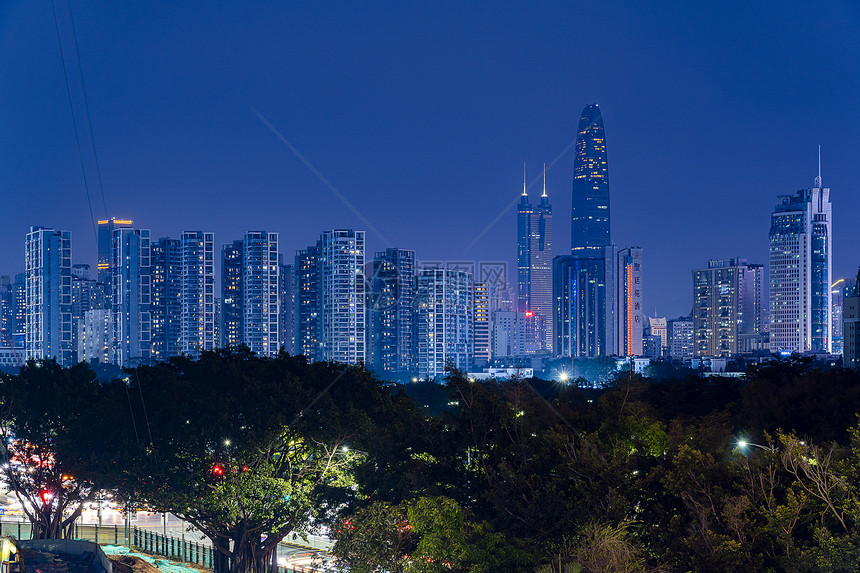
(38, 405)
(246, 449)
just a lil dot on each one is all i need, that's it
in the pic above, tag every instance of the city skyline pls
(421, 116)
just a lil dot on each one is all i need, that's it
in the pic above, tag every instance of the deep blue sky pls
(422, 114)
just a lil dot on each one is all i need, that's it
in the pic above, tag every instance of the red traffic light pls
(46, 495)
(217, 470)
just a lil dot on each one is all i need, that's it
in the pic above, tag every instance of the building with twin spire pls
(534, 270)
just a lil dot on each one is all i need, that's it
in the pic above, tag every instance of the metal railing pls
(148, 541)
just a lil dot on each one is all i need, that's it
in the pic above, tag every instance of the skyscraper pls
(444, 320)
(342, 296)
(534, 266)
(48, 269)
(131, 296)
(624, 314)
(590, 213)
(307, 301)
(392, 305)
(105, 246)
(197, 293)
(579, 290)
(286, 292)
(481, 329)
(232, 297)
(260, 302)
(851, 327)
(727, 301)
(87, 295)
(800, 271)
(165, 290)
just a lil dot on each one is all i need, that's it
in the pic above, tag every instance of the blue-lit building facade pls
(392, 284)
(800, 271)
(48, 295)
(534, 269)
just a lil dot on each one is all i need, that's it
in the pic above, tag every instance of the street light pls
(742, 444)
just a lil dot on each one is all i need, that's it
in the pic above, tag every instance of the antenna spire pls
(544, 179)
(524, 179)
(818, 179)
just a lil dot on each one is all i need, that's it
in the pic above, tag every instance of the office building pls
(838, 292)
(579, 290)
(590, 212)
(48, 295)
(131, 297)
(624, 313)
(534, 266)
(800, 271)
(392, 310)
(727, 303)
(444, 321)
(851, 327)
(197, 293)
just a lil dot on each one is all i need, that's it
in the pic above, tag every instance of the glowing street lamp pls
(743, 444)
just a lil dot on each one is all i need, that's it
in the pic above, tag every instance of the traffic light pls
(217, 470)
(46, 495)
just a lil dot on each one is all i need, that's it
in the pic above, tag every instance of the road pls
(297, 553)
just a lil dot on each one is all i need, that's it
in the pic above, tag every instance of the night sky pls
(421, 115)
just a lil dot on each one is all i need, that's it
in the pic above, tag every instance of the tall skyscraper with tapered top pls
(590, 213)
(534, 267)
(800, 271)
(580, 279)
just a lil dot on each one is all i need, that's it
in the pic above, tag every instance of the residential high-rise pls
(481, 329)
(624, 314)
(727, 303)
(105, 248)
(18, 312)
(48, 269)
(534, 265)
(444, 320)
(95, 336)
(392, 286)
(87, 295)
(197, 293)
(307, 301)
(165, 291)
(342, 296)
(800, 271)
(286, 292)
(232, 297)
(590, 213)
(131, 297)
(260, 302)
(680, 334)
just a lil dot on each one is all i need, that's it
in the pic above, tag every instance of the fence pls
(146, 540)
